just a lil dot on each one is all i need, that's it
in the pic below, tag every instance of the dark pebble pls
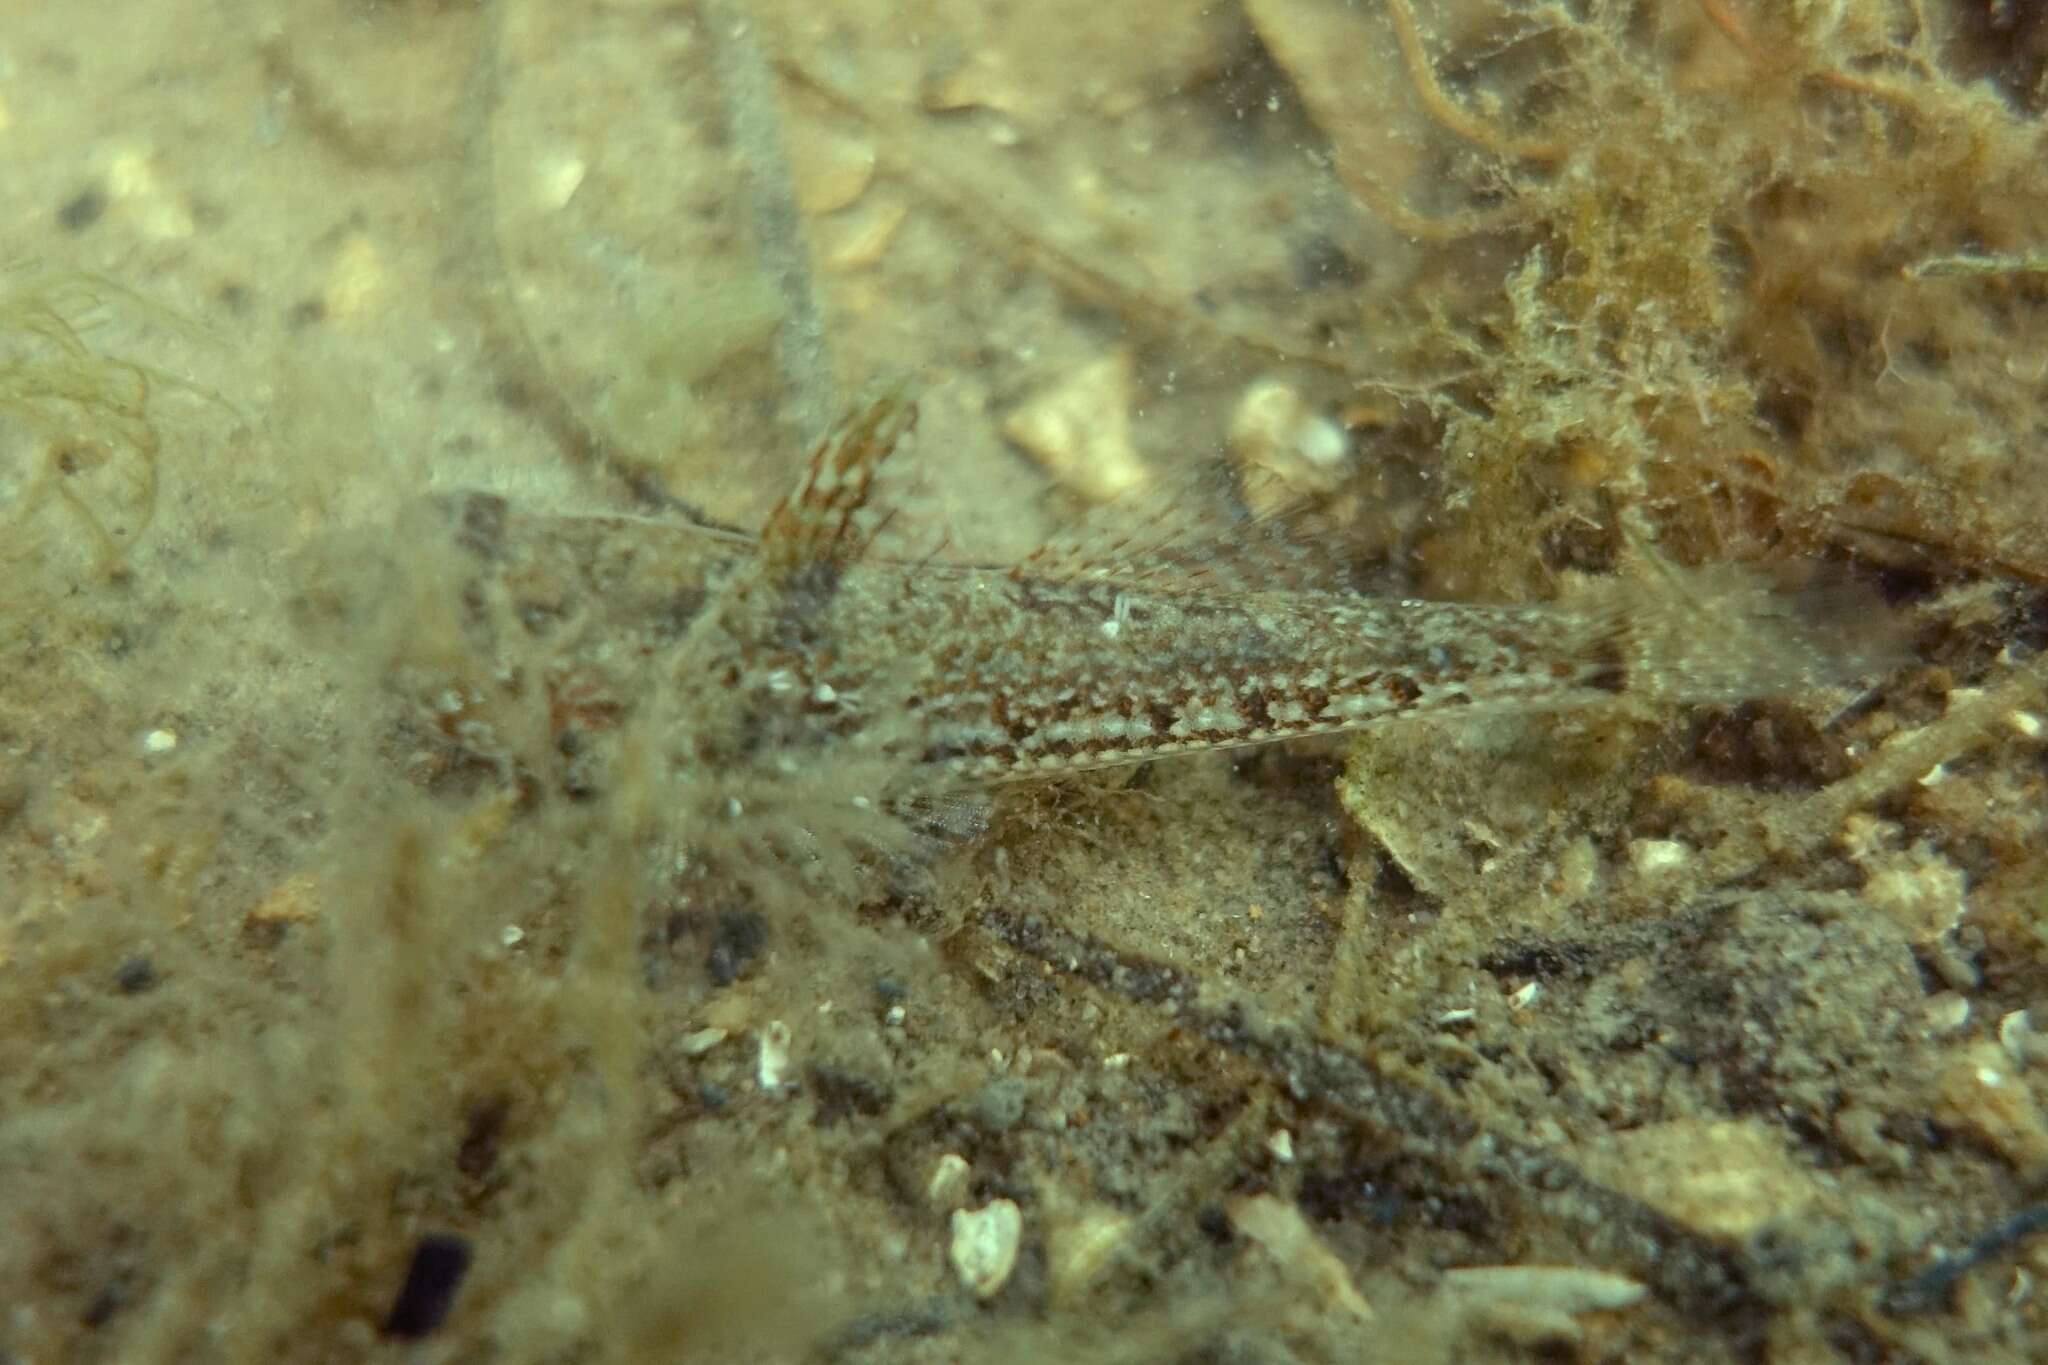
(439, 1262)
(83, 209)
(735, 943)
(135, 976)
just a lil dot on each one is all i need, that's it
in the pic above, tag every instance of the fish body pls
(807, 659)
(1025, 676)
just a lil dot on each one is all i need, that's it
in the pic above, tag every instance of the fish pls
(805, 686)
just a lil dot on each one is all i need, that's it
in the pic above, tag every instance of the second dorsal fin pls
(1191, 533)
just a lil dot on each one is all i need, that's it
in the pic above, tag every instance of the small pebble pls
(83, 209)
(135, 976)
(737, 938)
(985, 1245)
(1920, 890)
(702, 1041)
(1980, 1090)
(439, 1263)
(1279, 1227)
(1654, 857)
(1534, 1304)
(1079, 1250)
(1080, 430)
(863, 235)
(558, 179)
(157, 213)
(772, 1069)
(831, 170)
(1284, 448)
(356, 281)
(1000, 1105)
(947, 1189)
(1946, 1012)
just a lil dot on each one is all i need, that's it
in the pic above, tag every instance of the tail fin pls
(1726, 634)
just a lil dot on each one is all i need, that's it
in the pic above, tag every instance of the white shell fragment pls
(1278, 1227)
(1979, 1089)
(1657, 857)
(1947, 1012)
(1284, 448)
(985, 1245)
(1920, 889)
(358, 279)
(159, 212)
(1082, 1249)
(1536, 1303)
(772, 1069)
(702, 1041)
(1080, 430)
(557, 178)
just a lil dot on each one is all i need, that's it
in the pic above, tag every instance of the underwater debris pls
(1966, 264)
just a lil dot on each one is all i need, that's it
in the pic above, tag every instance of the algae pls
(86, 413)
(307, 962)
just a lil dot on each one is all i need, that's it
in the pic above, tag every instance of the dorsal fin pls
(1193, 534)
(1188, 534)
(827, 519)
